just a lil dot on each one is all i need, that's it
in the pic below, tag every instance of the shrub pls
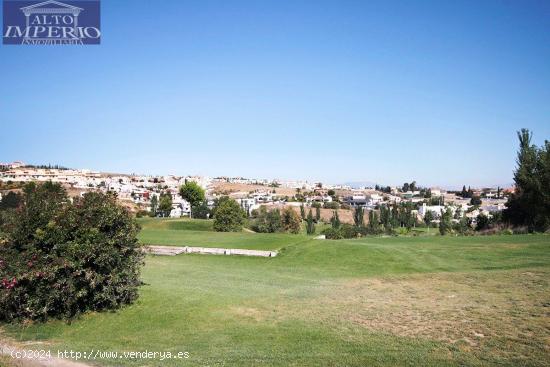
(349, 231)
(332, 234)
(143, 213)
(61, 259)
(229, 216)
(331, 205)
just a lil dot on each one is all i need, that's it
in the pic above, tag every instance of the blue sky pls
(339, 91)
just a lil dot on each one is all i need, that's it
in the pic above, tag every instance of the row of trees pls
(287, 220)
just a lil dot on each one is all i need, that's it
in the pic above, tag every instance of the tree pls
(358, 216)
(318, 214)
(11, 200)
(265, 221)
(529, 205)
(217, 203)
(374, 224)
(405, 187)
(331, 193)
(428, 218)
(201, 210)
(445, 222)
(303, 212)
(193, 193)
(310, 228)
(154, 205)
(63, 258)
(229, 217)
(463, 226)
(475, 200)
(165, 204)
(482, 222)
(335, 220)
(291, 221)
(274, 221)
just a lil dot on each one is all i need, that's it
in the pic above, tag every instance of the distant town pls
(141, 193)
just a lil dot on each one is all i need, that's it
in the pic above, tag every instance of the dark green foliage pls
(428, 218)
(530, 204)
(475, 200)
(291, 221)
(333, 234)
(345, 230)
(445, 223)
(61, 259)
(303, 212)
(482, 222)
(229, 216)
(466, 193)
(310, 227)
(265, 221)
(318, 214)
(154, 205)
(201, 211)
(358, 216)
(374, 223)
(11, 200)
(335, 220)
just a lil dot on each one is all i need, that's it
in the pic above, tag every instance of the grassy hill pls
(190, 232)
(429, 301)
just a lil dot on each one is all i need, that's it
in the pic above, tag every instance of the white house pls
(248, 204)
(435, 209)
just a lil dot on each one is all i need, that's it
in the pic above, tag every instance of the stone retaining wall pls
(172, 251)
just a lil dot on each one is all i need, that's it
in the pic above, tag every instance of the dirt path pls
(10, 352)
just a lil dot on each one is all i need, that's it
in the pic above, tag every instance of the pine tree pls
(335, 220)
(358, 216)
(302, 212)
(445, 222)
(318, 214)
(154, 205)
(310, 227)
(530, 204)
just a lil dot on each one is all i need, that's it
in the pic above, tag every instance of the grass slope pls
(190, 232)
(432, 301)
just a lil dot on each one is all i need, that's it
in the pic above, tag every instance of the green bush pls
(345, 230)
(61, 259)
(265, 221)
(333, 234)
(229, 216)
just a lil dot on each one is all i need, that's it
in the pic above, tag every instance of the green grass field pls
(185, 232)
(426, 301)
